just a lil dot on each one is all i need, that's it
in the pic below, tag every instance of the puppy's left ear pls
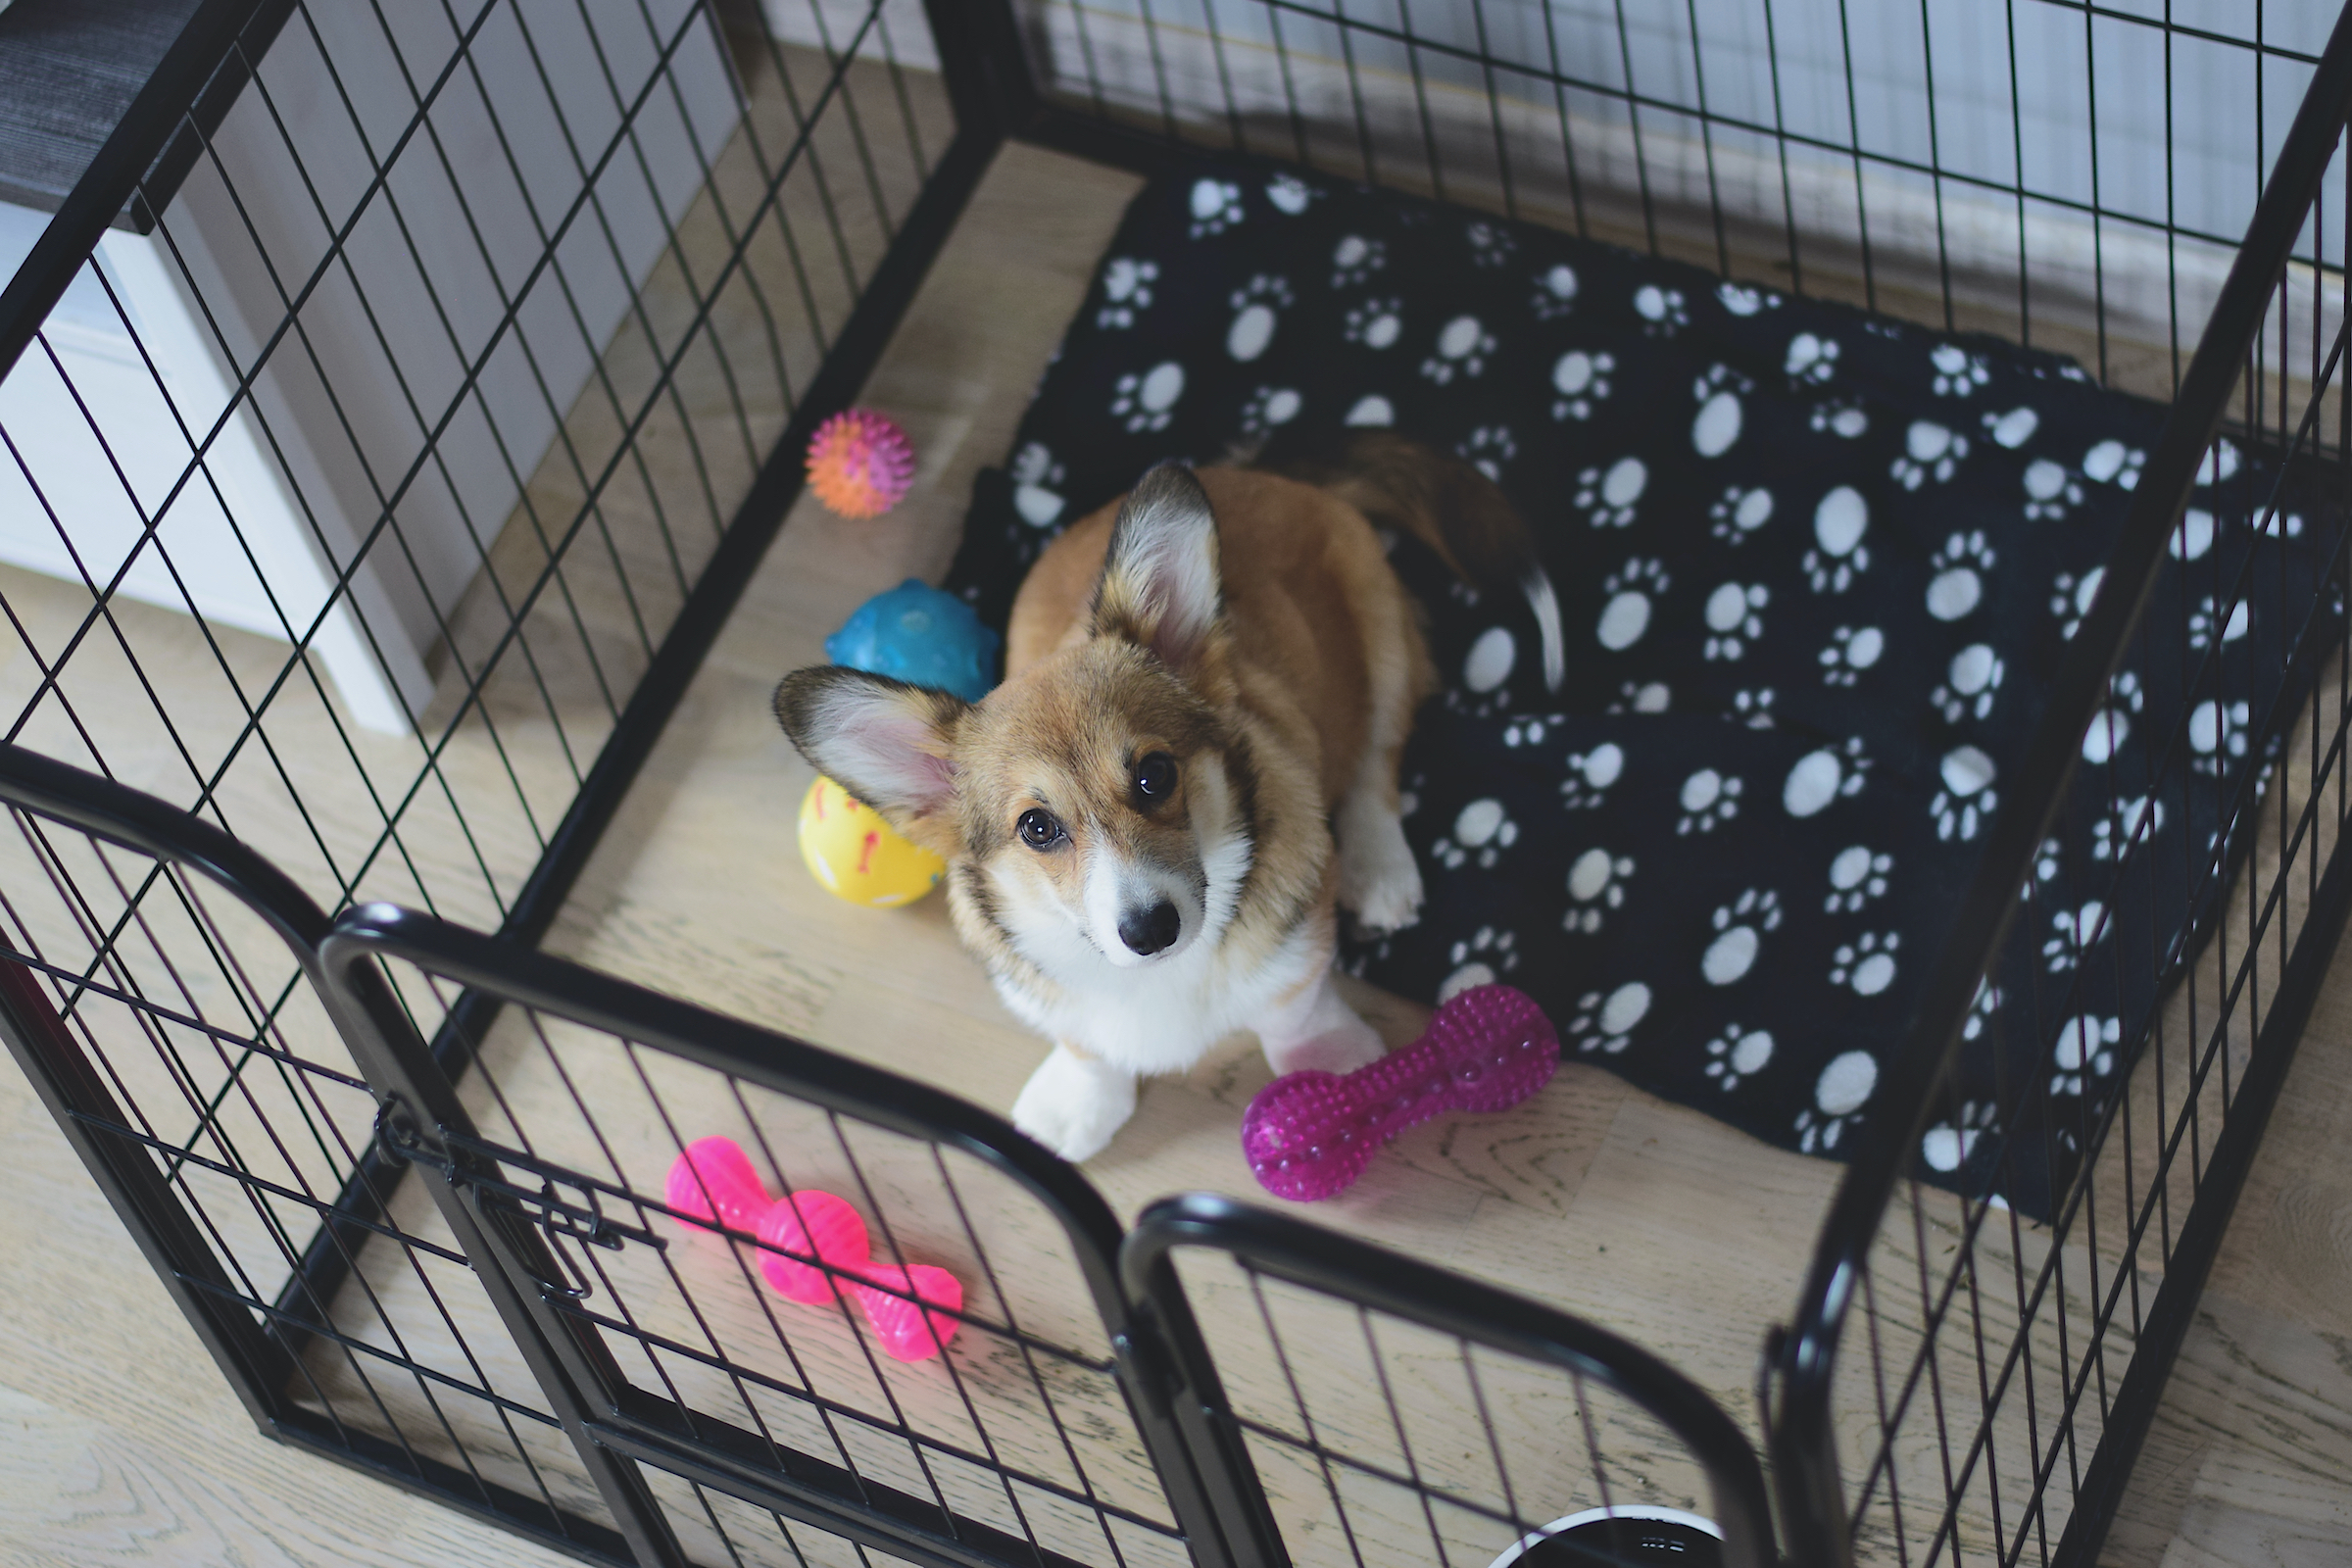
(1159, 586)
(889, 744)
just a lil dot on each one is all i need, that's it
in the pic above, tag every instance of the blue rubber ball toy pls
(920, 635)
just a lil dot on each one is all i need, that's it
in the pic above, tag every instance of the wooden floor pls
(121, 1446)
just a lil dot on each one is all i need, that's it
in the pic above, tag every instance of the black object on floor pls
(1817, 571)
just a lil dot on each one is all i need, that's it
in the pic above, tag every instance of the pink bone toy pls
(818, 1225)
(1309, 1135)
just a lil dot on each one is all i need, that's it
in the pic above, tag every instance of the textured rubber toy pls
(1309, 1135)
(861, 463)
(714, 1182)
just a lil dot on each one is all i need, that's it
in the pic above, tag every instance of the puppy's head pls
(1095, 809)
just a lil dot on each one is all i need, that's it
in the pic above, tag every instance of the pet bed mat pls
(1817, 571)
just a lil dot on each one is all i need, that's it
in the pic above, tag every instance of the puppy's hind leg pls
(1378, 879)
(1314, 1027)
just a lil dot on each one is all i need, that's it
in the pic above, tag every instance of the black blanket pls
(1817, 571)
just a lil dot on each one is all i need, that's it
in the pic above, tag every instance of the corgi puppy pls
(1208, 682)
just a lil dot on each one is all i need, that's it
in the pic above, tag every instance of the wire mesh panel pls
(1398, 1414)
(2067, 175)
(841, 1311)
(173, 1028)
(1997, 1373)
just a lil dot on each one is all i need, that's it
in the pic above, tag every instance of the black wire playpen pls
(364, 525)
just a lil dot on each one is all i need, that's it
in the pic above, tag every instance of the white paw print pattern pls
(1857, 876)
(1604, 1021)
(1216, 205)
(1609, 497)
(1491, 245)
(1374, 323)
(1958, 373)
(1734, 618)
(1708, 800)
(2070, 598)
(1811, 360)
(1643, 696)
(1488, 449)
(2113, 463)
(1624, 615)
(2013, 430)
(2217, 733)
(1929, 452)
(1463, 345)
(2050, 491)
(2208, 616)
(1555, 292)
(2073, 933)
(2220, 463)
(1753, 708)
(1036, 480)
(2085, 1048)
(1530, 729)
(1589, 775)
(1581, 380)
(1737, 1053)
(1482, 831)
(2195, 535)
(1258, 307)
(1355, 258)
(1716, 426)
(1268, 407)
(2127, 825)
(1480, 960)
(1596, 885)
(1843, 1087)
(1147, 400)
(1971, 683)
(1964, 804)
(1946, 1146)
(1488, 663)
(1739, 513)
(1851, 650)
(2046, 861)
(1739, 930)
(1738, 299)
(1661, 310)
(1290, 195)
(1820, 778)
(1127, 286)
(1839, 553)
(1842, 418)
(1371, 410)
(1958, 584)
(2111, 725)
(1865, 964)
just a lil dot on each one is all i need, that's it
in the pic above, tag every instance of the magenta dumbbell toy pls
(1309, 1135)
(714, 1182)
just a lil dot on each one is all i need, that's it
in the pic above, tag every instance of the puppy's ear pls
(1159, 586)
(889, 744)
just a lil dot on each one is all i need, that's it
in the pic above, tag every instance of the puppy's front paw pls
(1073, 1105)
(1378, 879)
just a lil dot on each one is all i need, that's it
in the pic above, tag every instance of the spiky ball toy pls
(859, 463)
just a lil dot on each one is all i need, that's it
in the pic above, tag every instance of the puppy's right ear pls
(889, 744)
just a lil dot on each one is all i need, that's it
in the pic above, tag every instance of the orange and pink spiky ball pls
(859, 463)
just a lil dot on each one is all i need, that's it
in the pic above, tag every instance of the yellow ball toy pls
(858, 855)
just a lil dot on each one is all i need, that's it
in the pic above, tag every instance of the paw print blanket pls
(1817, 568)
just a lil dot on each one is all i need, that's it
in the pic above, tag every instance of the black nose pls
(1148, 931)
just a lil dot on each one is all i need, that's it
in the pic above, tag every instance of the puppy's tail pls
(1439, 499)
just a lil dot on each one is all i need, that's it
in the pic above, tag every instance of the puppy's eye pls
(1155, 776)
(1039, 829)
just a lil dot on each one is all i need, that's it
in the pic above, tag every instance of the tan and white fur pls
(1204, 683)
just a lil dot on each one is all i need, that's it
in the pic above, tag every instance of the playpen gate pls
(312, 1126)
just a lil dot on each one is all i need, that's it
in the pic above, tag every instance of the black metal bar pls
(1365, 1275)
(1805, 1466)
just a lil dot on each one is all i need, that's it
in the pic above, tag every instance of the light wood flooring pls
(121, 1446)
